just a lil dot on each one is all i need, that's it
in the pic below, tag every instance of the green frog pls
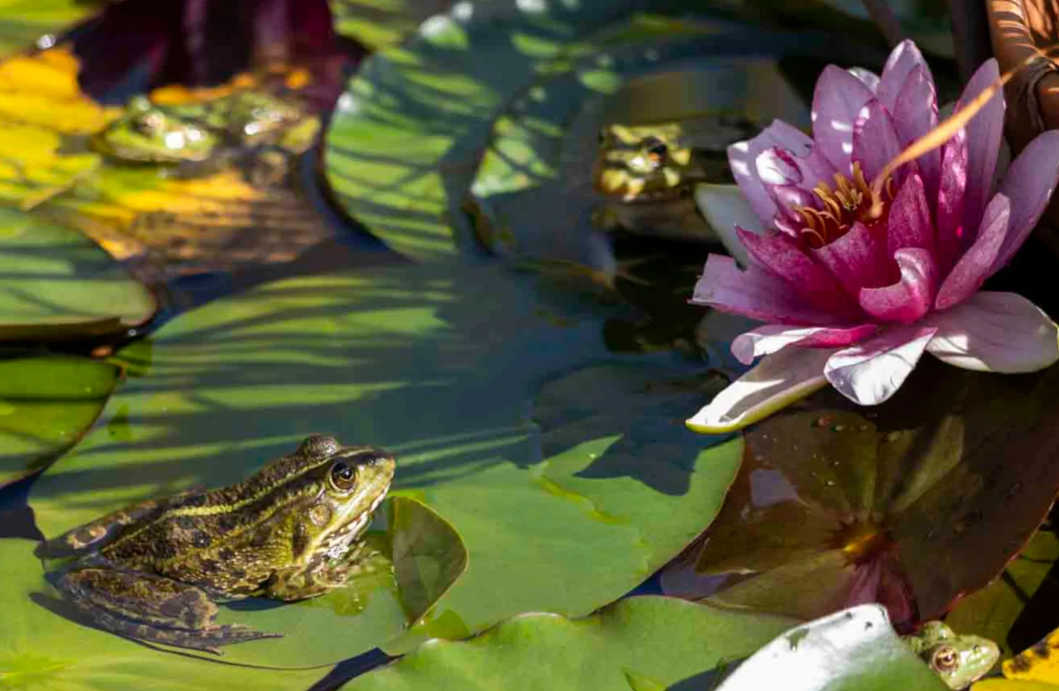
(151, 134)
(960, 660)
(154, 571)
(647, 173)
(195, 132)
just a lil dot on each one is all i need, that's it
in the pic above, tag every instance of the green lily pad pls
(56, 284)
(381, 23)
(641, 641)
(46, 404)
(912, 503)
(852, 650)
(996, 610)
(41, 649)
(487, 389)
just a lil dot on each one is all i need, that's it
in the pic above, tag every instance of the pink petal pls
(858, 259)
(814, 285)
(915, 114)
(977, 263)
(871, 372)
(867, 77)
(776, 166)
(950, 201)
(742, 158)
(874, 139)
(903, 60)
(778, 381)
(910, 298)
(995, 332)
(837, 102)
(754, 293)
(909, 224)
(1029, 184)
(983, 143)
(724, 207)
(773, 338)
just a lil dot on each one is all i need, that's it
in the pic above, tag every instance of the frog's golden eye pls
(945, 659)
(343, 476)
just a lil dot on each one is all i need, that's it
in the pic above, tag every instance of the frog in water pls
(960, 660)
(195, 132)
(647, 173)
(291, 531)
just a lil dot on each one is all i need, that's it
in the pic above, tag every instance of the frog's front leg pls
(322, 574)
(150, 608)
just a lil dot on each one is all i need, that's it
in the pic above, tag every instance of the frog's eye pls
(656, 148)
(343, 476)
(945, 659)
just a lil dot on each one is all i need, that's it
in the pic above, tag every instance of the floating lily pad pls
(55, 284)
(635, 642)
(853, 650)
(41, 649)
(46, 404)
(912, 503)
(486, 389)
(381, 24)
(1034, 669)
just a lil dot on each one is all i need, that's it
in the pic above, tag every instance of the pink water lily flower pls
(856, 281)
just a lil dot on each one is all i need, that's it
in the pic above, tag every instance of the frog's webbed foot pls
(151, 608)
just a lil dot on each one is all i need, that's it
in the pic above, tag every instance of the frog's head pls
(959, 660)
(338, 488)
(147, 133)
(644, 162)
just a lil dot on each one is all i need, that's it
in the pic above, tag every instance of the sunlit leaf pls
(42, 90)
(46, 403)
(912, 503)
(647, 639)
(557, 462)
(55, 283)
(41, 649)
(381, 23)
(852, 650)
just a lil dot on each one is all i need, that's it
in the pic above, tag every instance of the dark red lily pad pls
(912, 503)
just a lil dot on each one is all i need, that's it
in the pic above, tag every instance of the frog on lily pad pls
(195, 132)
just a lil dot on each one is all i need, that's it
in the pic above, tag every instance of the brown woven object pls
(1018, 28)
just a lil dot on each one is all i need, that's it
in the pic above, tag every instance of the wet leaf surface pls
(671, 643)
(57, 284)
(485, 388)
(853, 650)
(912, 503)
(46, 403)
(24, 22)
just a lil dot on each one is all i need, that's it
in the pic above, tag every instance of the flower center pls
(849, 202)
